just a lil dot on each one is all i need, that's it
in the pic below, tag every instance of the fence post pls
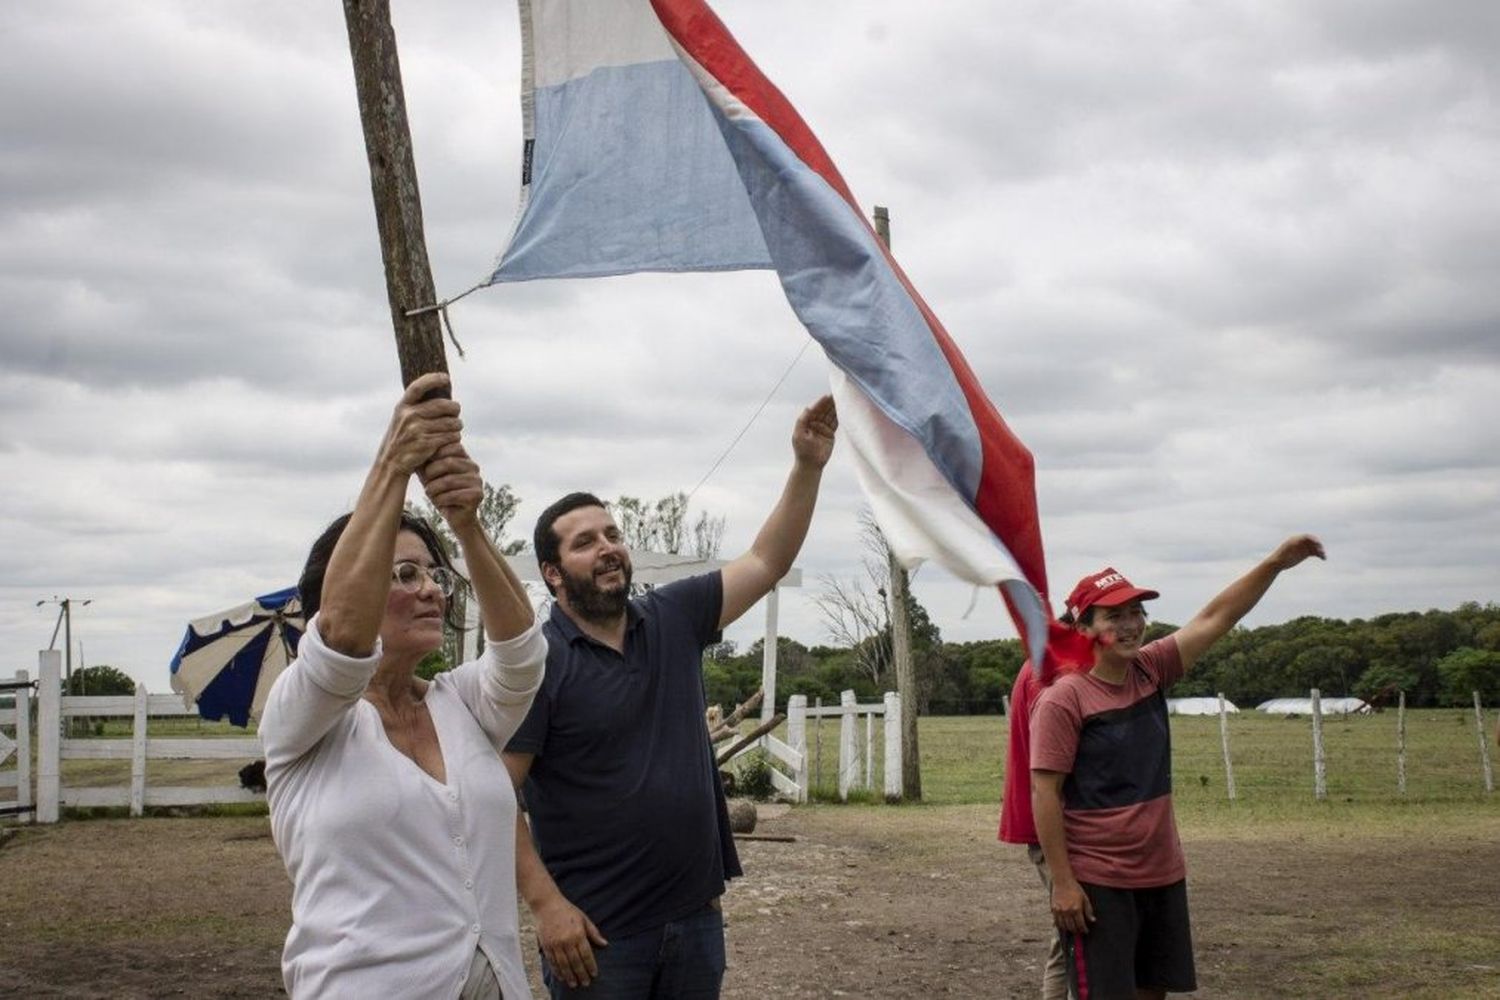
(1401, 744)
(869, 749)
(892, 746)
(1484, 747)
(796, 737)
(138, 753)
(768, 658)
(23, 748)
(817, 771)
(848, 756)
(1320, 766)
(1224, 739)
(49, 737)
(1005, 705)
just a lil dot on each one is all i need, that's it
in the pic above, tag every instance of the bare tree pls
(497, 507)
(662, 526)
(872, 616)
(856, 610)
(708, 535)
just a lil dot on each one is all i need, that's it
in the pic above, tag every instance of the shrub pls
(753, 778)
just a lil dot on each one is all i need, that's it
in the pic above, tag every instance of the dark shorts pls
(1139, 938)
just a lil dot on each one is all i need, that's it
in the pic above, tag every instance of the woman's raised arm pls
(359, 571)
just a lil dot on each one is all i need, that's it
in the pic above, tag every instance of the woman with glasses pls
(389, 804)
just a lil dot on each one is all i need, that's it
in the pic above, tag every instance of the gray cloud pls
(1226, 272)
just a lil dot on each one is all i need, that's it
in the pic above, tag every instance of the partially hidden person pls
(1016, 823)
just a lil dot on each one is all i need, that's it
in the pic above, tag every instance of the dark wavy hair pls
(310, 585)
(544, 539)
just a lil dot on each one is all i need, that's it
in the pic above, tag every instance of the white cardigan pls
(396, 878)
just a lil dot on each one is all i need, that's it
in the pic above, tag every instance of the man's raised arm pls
(1235, 601)
(751, 576)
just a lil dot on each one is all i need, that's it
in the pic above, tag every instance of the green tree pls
(497, 508)
(1383, 677)
(1467, 670)
(100, 680)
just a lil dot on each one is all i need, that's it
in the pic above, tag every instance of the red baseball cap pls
(1107, 588)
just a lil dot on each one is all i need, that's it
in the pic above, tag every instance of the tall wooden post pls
(49, 737)
(1484, 747)
(1224, 740)
(1401, 745)
(393, 182)
(768, 657)
(906, 674)
(1320, 764)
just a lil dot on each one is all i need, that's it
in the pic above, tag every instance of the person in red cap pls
(1101, 778)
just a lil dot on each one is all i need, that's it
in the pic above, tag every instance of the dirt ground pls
(867, 902)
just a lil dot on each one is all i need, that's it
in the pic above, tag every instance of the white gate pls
(794, 755)
(15, 747)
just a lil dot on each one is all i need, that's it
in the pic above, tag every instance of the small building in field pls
(1303, 706)
(1198, 706)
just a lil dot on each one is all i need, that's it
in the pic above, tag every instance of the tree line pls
(1436, 657)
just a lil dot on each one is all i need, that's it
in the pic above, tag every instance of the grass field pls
(963, 761)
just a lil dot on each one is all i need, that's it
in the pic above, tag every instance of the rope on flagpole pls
(753, 417)
(442, 310)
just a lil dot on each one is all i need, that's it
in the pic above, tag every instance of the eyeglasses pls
(409, 576)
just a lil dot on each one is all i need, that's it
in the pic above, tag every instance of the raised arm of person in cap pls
(1221, 614)
(751, 576)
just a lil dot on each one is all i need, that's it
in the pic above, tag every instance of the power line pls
(753, 417)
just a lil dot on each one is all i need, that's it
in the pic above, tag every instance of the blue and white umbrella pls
(228, 661)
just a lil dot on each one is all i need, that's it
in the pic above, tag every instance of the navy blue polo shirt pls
(625, 801)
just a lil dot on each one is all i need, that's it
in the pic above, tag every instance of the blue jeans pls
(680, 960)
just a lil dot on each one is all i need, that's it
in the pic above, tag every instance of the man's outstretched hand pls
(812, 438)
(1296, 549)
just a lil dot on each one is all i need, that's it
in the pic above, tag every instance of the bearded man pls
(629, 844)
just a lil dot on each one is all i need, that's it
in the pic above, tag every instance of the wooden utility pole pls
(393, 182)
(906, 674)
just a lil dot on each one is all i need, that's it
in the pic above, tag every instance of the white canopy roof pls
(1198, 706)
(1303, 706)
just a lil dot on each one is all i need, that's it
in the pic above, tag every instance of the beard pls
(594, 603)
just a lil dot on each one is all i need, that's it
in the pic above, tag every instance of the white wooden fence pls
(856, 768)
(15, 748)
(53, 747)
(790, 771)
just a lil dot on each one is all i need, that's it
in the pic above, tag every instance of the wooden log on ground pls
(742, 816)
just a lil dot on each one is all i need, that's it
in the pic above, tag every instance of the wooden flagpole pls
(906, 674)
(393, 182)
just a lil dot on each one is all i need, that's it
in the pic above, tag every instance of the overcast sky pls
(1229, 270)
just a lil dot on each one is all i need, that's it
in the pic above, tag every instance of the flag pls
(653, 143)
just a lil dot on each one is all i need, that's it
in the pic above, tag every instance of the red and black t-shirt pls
(1113, 742)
